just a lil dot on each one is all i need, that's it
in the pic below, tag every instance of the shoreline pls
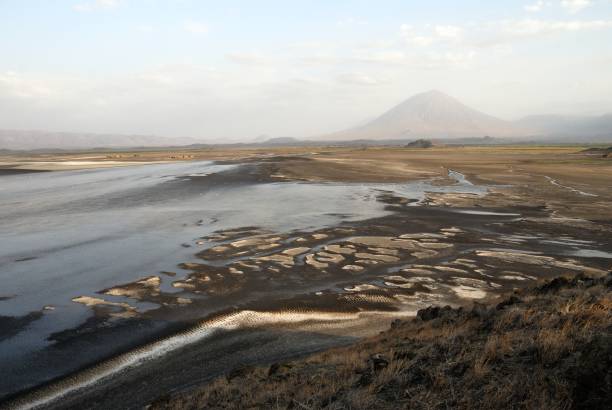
(425, 229)
(95, 377)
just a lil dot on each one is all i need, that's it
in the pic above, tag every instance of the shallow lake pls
(71, 233)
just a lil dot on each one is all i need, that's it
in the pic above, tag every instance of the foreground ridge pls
(545, 347)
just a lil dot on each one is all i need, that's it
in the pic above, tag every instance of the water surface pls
(71, 233)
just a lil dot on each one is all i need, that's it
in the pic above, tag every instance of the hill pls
(585, 128)
(431, 115)
(35, 140)
(547, 347)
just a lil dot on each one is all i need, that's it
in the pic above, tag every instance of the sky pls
(235, 70)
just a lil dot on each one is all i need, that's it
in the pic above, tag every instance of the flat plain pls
(367, 235)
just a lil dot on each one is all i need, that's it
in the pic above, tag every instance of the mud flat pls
(254, 294)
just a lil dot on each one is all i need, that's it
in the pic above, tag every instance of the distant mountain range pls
(598, 127)
(436, 115)
(31, 140)
(432, 115)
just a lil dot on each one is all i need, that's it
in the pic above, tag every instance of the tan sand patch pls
(248, 265)
(361, 288)
(463, 262)
(407, 285)
(130, 311)
(513, 277)
(384, 251)
(435, 245)
(424, 254)
(422, 236)
(329, 257)
(522, 275)
(296, 251)
(468, 292)
(397, 278)
(254, 240)
(284, 260)
(353, 268)
(376, 257)
(138, 289)
(384, 242)
(268, 246)
(449, 269)
(367, 262)
(345, 250)
(310, 260)
(183, 284)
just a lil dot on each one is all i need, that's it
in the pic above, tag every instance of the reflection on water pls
(66, 233)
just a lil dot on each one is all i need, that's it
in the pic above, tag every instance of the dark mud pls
(309, 290)
(12, 325)
(17, 171)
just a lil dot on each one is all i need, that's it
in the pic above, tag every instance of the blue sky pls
(238, 69)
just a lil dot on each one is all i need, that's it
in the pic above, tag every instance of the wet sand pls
(301, 291)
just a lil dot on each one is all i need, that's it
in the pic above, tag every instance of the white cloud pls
(96, 5)
(383, 57)
(536, 7)
(159, 78)
(575, 6)
(449, 32)
(324, 58)
(532, 27)
(454, 59)
(572, 6)
(413, 38)
(377, 44)
(431, 35)
(22, 87)
(339, 73)
(195, 27)
(457, 38)
(420, 41)
(359, 79)
(250, 58)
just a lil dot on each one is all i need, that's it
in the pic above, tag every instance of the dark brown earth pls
(354, 279)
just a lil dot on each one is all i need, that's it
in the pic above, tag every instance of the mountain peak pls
(432, 93)
(433, 97)
(431, 114)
